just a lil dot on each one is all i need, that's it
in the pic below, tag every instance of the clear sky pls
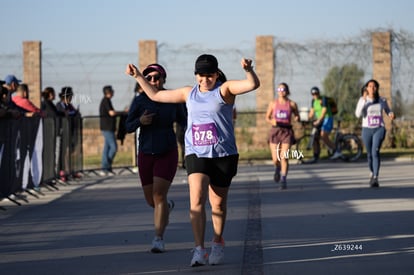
(117, 25)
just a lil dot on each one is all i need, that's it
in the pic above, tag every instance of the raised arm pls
(238, 87)
(165, 96)
(360, 110)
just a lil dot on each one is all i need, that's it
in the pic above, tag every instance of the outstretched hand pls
(246, 64)
(131, 70)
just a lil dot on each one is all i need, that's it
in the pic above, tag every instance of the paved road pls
(327, 222)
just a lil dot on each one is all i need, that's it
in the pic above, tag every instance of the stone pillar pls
(32, 69)
(382, 72)
(265, 69)
(148, 53)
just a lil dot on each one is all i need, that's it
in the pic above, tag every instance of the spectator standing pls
(107, 123)
(65, 104)
(48, 105)
(49, 108)
(21, 99)
(66, 107)
(10, 84)
(6, 111)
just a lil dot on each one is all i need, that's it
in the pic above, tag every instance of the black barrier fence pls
(35, 151)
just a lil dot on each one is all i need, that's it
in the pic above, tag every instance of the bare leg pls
(284, 158)
(198, 184)
(156, 197)
(275, 151)
(218, 202)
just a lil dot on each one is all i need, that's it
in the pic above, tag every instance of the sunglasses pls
(153, 78)
(281, 90)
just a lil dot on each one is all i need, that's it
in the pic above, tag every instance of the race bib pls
(374, 121)
(204, 134)
(281, 114)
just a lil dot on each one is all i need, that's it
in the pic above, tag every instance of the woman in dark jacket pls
(157, 149)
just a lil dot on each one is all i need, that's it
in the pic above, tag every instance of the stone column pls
(147, 53)
(265, 69)
(382, 72)
(32, 69)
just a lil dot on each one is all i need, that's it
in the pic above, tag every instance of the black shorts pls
(220, 170)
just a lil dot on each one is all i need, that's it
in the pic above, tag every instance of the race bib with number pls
(204, 134)
(374, 121)
(282, 114)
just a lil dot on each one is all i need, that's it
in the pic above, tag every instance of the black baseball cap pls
(314, 90)
(206, 64)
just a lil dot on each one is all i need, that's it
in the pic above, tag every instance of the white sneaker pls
(102, 173)
(336, 155)
(158, 245)
(199, 256)
(217, 253)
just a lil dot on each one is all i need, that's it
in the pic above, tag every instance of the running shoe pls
(283, 184)
(276, 176)
(103, 173)
(200, 256)
(217, 253)
(336, 155)
(374, 182)
(158, 245)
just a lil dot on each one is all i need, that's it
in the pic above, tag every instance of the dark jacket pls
(158, 137)
(50, 109)
(106, 122)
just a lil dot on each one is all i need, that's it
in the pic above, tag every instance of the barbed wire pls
(300, 64)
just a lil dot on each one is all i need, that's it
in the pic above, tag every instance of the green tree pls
(344, 85)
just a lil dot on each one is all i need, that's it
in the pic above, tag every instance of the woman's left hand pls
(246, 64)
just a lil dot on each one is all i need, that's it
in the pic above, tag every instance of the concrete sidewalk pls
(328, 221)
